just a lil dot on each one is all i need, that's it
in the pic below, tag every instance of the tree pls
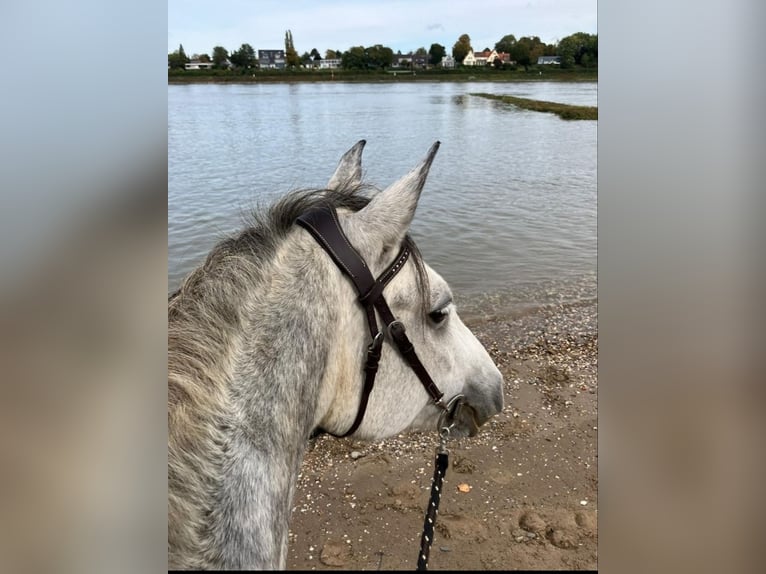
(220, 57)
(379, 56)
(244, 57)
(201, 57)
(527, 50)
(315, 55)
(331, 55)
(461, 48)
(573, 48)
(421, 51)
(520, 53)
(436, 53)
(354, 58)
(506, 43)
(291, 56)
(177, 60)
(361, 58)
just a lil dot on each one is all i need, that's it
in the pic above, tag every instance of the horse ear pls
(348, 174)
(388, 215)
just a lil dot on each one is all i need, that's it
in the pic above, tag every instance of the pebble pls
(355, 454)
(519, 535)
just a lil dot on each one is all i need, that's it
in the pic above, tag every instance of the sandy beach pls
(520, 495)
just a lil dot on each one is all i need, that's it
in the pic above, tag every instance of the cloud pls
(436, 26)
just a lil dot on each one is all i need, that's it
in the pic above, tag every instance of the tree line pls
(578, 49)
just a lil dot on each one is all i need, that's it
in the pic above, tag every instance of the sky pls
(402, 25)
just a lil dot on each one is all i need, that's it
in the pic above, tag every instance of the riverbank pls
(543, 73)
(520, 495)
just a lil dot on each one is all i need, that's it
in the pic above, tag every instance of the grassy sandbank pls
(564, 111)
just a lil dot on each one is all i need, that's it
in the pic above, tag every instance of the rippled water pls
(510, 200)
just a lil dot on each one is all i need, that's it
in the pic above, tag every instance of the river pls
(510, 202)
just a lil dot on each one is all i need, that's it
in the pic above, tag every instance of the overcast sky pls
(399, 24)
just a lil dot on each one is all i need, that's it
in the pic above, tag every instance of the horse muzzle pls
(474, 409)
(462, 419)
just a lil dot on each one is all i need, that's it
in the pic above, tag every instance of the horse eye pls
(439, 315)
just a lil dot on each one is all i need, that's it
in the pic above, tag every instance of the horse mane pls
(266, 227)
(204, 312)
(205, 315)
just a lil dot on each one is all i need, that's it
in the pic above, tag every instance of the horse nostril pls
(487, 398)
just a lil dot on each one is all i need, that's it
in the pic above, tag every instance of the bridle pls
(322, 223)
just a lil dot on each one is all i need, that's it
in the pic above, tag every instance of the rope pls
(440, 469)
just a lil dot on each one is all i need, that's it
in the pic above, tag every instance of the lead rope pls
(440, 469)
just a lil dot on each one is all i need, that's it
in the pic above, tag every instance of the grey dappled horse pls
(265, 346)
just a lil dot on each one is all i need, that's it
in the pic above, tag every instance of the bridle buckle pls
(376, 345)
(373, 352)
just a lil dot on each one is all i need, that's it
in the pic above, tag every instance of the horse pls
(265, 347)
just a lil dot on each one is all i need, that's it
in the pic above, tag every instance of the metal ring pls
(447, 417)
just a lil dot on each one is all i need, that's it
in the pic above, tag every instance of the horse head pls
(266, 344)
(422, 301)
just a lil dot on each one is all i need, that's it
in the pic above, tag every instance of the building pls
(402, 61)
(482, 58)
(421, 61)
(410, 60)
(545, 60)
(485, 57)
(197, 65)
(271, 59)
(329, 63)
(448, 62)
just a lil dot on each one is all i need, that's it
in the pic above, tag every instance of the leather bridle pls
(322, 223)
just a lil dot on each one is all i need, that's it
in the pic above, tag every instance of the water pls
(510, 201)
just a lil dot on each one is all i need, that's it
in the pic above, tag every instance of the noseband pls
(322, 223)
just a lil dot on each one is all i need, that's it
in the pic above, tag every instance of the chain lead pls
(447, 421)
(443, 438)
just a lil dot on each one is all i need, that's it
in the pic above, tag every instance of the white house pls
(402, 60)
(448, 62)
(197, 65)
(483, 58)
(329, 63)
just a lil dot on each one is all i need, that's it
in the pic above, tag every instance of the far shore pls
(479, 75)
